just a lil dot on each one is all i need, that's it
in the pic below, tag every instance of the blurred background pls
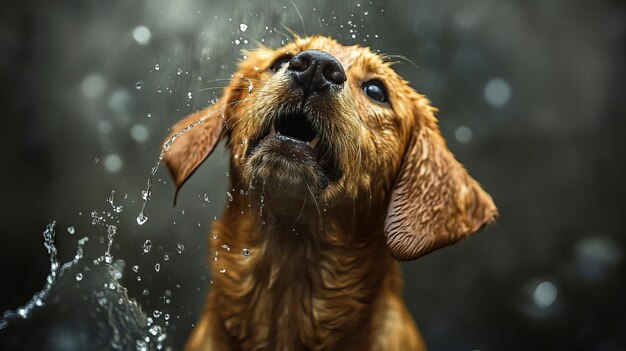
(531, 97)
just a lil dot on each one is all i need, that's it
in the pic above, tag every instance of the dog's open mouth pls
(296, 133)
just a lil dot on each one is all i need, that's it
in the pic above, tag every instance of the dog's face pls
(320, 118)
(316, 118)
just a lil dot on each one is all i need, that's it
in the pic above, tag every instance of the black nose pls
(316, 70)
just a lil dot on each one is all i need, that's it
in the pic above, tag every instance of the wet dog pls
(338, 171)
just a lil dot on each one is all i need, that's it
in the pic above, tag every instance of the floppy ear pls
(434, 201)
(192, 140)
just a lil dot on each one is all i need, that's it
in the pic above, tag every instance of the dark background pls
(531, 97)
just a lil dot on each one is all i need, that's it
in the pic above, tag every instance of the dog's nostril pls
(316, 70)
(298, 64)
(334, 74)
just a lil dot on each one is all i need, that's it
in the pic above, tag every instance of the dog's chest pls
(299, 302)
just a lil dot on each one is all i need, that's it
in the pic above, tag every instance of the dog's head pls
(316, 118)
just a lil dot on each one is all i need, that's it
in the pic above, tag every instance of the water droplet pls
(230, 196)
(138, 85)
(71, 230)
(79, 277)
(141, 219)
(222, 270)
(22, 312)
(147, 246)
(135, 268)
(156, 67)
(146, 194)
(180, 248)
(157, 313)
(189, 95)
(149, 115)
(108, 258)
(243, 27)
(237, 42)
(166, 257)
(145, 292)
(245, 252)
(157, 267)
(141, 345)
(167, 292)
(226, 247)
(179, 71)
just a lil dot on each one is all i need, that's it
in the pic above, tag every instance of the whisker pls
(231, 79)
(283, 33)
(303, 205)
(313, 196)
(301, 19)
(385, 57)
(224, 87)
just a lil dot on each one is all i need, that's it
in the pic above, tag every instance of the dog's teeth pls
(313, 143)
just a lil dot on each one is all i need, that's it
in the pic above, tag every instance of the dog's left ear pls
(434, 201)
(202, 132)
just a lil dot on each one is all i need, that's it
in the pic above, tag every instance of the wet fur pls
(323, 270)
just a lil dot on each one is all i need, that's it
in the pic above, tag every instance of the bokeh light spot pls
(104, 127)
(139, 133)
(545, 294)
(142, 35)
(93, 85)
(118, 101)
(463, 134)
(112, 163)
(497, 92)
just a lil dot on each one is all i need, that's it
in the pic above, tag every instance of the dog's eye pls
(280, 62)
(375, 90)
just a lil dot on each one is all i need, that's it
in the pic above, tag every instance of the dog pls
(338, 171)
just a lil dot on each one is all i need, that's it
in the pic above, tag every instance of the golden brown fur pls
(323, 270)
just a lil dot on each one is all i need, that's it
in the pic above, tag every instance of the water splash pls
(56, 271)
(94, 291)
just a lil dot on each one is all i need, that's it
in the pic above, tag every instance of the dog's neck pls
(308, 262)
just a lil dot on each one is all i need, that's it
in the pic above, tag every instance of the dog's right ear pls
(192, 140)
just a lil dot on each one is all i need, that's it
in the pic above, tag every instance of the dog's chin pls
(286, 167)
